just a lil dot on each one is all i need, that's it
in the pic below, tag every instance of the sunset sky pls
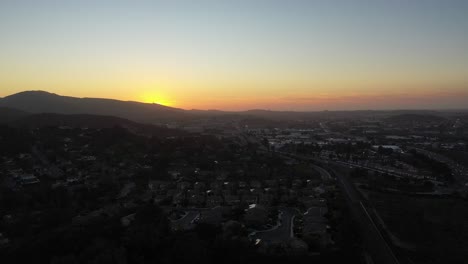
(241, 54)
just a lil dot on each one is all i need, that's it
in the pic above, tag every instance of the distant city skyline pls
(240, 55)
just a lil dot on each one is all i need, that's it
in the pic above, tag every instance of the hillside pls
(91, 121)
(10, 114)
(415, 118)
(36, 102)
(44, 102)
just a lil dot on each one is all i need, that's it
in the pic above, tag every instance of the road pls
(459, 171)
(187, 221)
(388, 172)
(374, 242)
(283, 231)
(323, 173)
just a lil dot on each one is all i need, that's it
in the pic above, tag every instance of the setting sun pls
(155, 98)
(240, 55)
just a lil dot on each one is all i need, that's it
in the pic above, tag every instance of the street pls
(281, 232)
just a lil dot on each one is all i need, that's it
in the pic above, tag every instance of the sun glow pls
(155, 98)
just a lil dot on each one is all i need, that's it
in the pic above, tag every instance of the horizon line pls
(246, 110)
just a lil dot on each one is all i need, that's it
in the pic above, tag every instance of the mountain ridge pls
(38, 101)
(45, 102)
(32, 121)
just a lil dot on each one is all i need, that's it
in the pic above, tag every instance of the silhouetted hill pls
(415, 118)
(92, 121)
(44, 102)
(10, 114)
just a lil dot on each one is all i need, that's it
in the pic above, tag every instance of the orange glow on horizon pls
(156, 98)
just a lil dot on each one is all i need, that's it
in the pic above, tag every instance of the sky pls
(245, 54)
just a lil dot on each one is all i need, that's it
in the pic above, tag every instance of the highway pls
(459, 171)
(374, 242)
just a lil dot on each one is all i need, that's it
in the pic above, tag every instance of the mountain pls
(10, 114)
(87, 121)
(415, 118)
(35, 102)
(44, 102)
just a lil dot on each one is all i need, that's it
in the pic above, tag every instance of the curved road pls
(283, 231)
(374, 242)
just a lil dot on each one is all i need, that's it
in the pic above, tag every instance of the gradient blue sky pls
(295, 55)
